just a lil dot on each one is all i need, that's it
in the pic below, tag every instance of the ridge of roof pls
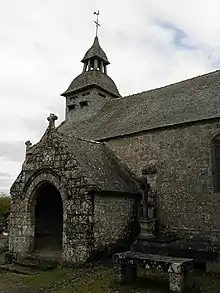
(81, 138)
(194, 99)
(171, 84)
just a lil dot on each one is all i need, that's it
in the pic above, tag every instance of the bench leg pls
(176, 282)
(127, 273)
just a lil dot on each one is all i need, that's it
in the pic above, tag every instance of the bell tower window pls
(72, 107)
(91, 89)
(83, 104)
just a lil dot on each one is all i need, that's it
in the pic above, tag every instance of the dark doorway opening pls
(48, 220)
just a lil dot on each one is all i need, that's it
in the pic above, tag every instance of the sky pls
(150, 43)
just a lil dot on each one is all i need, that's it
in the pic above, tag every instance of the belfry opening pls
(48, 213)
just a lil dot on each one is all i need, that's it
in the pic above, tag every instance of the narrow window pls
(72, 98)
(72, 107)
(85, 94)
(101, 95)
(83, 104)
(216, 163)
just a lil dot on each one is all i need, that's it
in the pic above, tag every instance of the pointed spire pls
(95, 51)
(95, 58)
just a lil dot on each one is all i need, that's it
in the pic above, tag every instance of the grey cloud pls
(179, 36)
(35, 126)
(12, 151)
(4, 174)
(5, 183)
(4, 191)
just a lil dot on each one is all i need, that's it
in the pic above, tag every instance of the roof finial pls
(28, 145)
(52, 118)
(97, 22)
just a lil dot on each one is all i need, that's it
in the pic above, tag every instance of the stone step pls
(14, 268)
(36, 264)
(29, 262)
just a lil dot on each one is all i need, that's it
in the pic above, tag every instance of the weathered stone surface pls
(176, 267)
(112, 217)
(182, 157)
(57, 160)
(169, 141)
(176, 282)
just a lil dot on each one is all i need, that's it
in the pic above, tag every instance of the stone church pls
(79, 188)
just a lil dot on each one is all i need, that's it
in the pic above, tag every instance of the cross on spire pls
(97, 22)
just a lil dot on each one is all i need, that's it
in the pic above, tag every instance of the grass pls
(102, 279)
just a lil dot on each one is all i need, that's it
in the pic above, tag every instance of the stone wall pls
(51, 162)
(182, 157)
(114, 220)
(95, 99)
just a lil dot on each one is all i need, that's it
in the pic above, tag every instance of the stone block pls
(176, 282)
(213, 266)
(148, 228)
(127, 273)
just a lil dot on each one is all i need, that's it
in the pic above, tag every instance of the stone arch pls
(214, 136)
(37, 182)
(47, 217)
(45, 175)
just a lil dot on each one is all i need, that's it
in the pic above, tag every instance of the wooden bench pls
(176, 267)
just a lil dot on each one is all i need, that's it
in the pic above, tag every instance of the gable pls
(77, 158)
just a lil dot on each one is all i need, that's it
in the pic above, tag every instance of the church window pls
(85, 94)
(216, 163)
(102, 95)
(71, 107)
(72, 98)
(83, 104)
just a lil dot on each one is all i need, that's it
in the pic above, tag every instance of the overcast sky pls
(150, 43)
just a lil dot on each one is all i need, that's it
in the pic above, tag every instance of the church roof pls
(96, 51)
(93, 78)
(190, 100)
(94, 161)
(101, 166)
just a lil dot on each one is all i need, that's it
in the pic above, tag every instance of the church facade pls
(78, 191)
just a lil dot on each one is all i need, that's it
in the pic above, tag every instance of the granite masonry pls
(82, 178)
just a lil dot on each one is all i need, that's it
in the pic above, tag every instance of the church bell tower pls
(90, 90)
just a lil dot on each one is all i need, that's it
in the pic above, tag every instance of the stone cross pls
(145, 190)
(28, 145)
(97, 22)
(52, 118)
(145, 187)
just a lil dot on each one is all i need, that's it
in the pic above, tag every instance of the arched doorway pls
(48, 220)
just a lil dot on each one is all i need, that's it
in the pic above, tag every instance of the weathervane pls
(97, 22)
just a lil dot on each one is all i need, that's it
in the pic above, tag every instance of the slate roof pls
(96, 51)
(93, 78)
(101, 166)
(190, 100)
